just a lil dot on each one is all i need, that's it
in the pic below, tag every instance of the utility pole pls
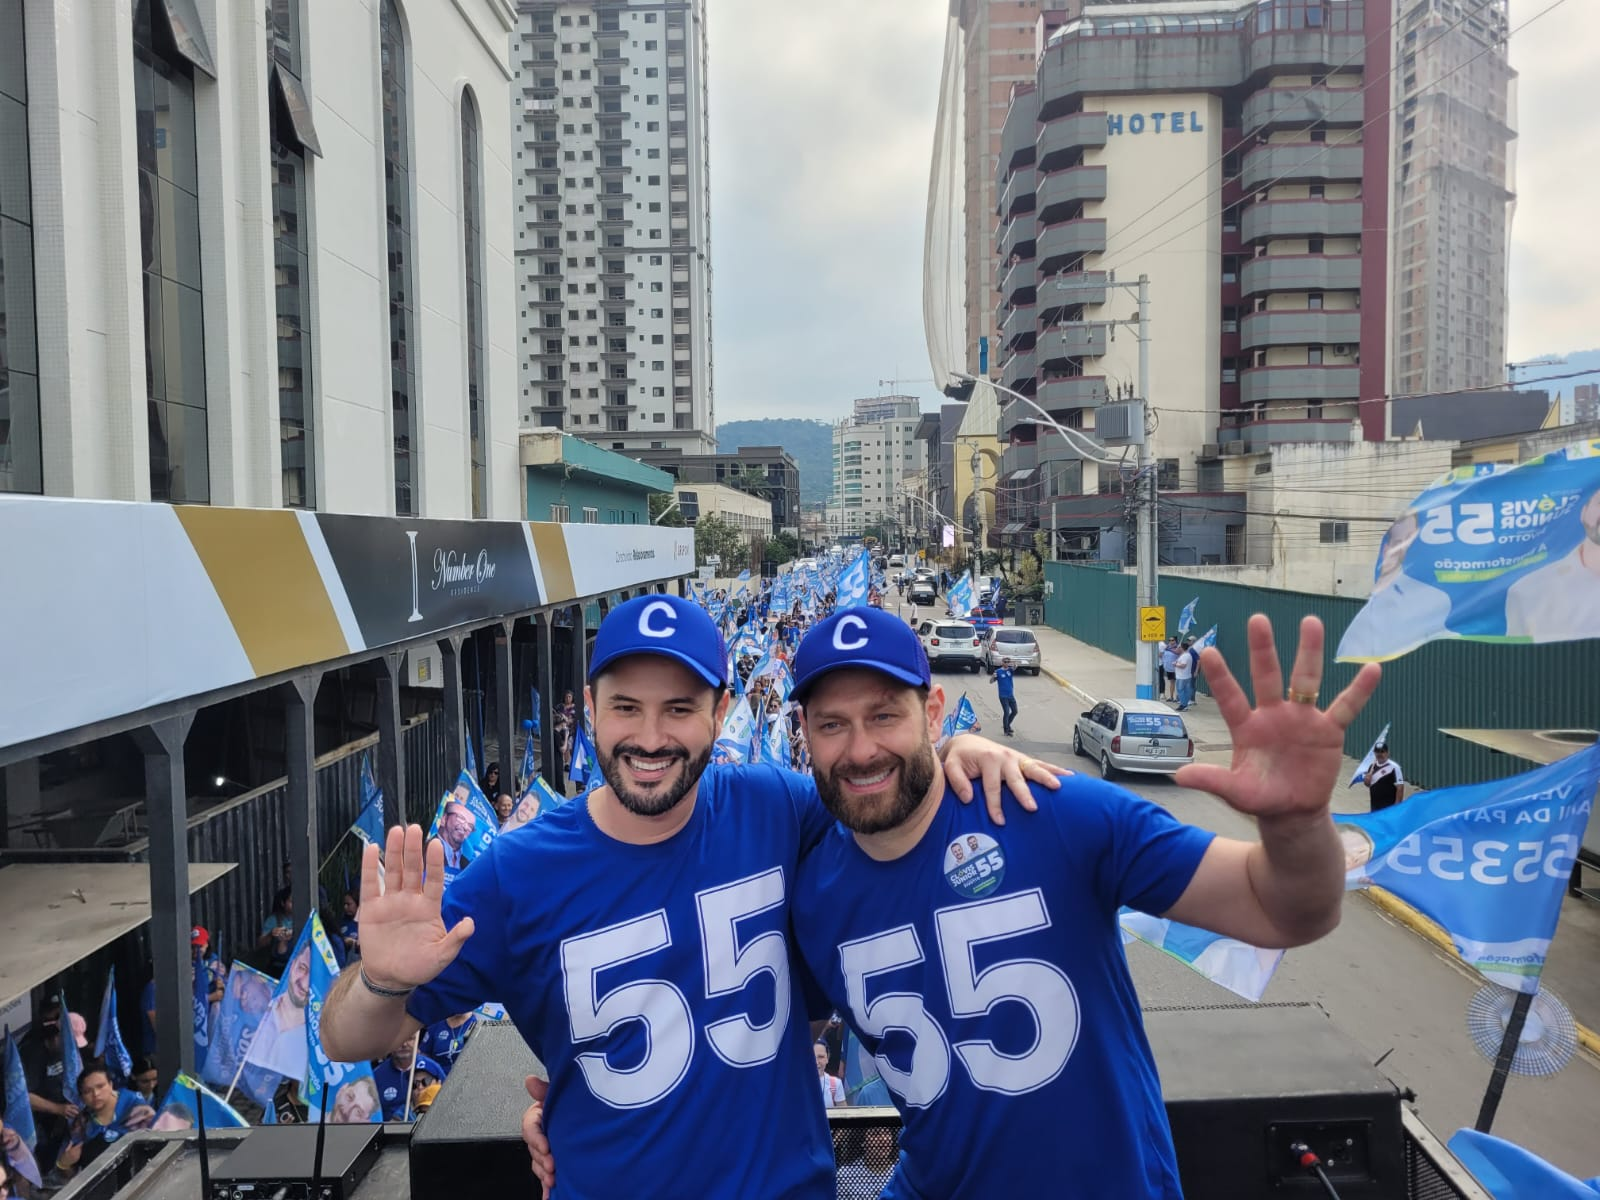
(1145, 546)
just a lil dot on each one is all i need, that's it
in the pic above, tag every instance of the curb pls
(1424, 927)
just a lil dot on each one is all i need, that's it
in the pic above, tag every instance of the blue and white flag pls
(742, 584)
(1490, 554)
(776, 750)
(959, 597)
(1186, 618)
(71, 1060)
(536, 798)
(108, 1045)
(583, 763)
(185, 1097)
(369, 818)
(959, 719)
(1243, 969)
(1371, 757)
(200, 1002)
(245, 1001)
(735, 741)
(855, 583)
(1508, 1172)
(278, 1045)
(1208, 638)
(482, 824)
(352, 1092)
(19, 1112)
(1489, 862)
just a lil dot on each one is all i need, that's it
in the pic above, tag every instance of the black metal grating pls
(866, 1144)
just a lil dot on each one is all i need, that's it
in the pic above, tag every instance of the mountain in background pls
(810, 442)
(1577, 360)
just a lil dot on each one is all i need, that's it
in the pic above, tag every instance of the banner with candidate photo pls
(465, 824)
(1489, 862)
(279, 1043)
(348, 1089)
(245, 1001)
(185, 1098)
(1489, 553)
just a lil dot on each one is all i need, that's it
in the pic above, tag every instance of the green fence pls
(1443, 685)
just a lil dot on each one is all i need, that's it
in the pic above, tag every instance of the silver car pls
(1017, 644)
(1133, 735)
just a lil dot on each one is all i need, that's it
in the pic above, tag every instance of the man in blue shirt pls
(983, 966)
(1008, 694)
(638, 939)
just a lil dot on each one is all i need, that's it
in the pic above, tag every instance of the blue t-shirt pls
(985, 971)
(1002, 680)
(444, 1044)
(391, 1081)
(654, 984)
(127, 1101)
(147, 1005)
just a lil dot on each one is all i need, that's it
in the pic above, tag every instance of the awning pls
(1023, 476)
(1542, 746)
(188, 34)
(1013, 527)
(55, 914)
(291, 94)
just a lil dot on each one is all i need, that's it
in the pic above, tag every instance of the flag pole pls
(1502, 1062)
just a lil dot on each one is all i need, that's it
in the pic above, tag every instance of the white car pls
(1133, 735)
(951, 643)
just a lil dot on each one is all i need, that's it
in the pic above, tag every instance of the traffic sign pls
(1153, 624)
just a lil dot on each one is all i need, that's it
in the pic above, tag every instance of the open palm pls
(1286, 752)
(404, 942)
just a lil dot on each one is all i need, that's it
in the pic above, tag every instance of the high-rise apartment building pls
(1228, 150)
(1452, 194)
(873, 451)
(613, 221)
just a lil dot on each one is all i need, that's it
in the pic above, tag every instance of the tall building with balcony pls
(871, 458)
(613, 222)
(1452, 194)
(1217, 147)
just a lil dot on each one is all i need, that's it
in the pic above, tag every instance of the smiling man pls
(637, 937)
(983, 966)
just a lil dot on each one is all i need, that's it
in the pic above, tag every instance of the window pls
(21, 463)
(560, 512)
(591, 516)
(1314, 300)
(397, 213)
(1334, 532)
(169, 209)
(472, 251)
(1314, 356)
(1167, 474)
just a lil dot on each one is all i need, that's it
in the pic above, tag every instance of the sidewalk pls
(1090, 675)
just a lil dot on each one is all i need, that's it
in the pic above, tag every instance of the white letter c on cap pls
(658, 631)
(838, 633)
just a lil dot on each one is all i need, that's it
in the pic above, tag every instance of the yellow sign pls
(1153, 624)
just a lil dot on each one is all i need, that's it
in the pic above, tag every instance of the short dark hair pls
(94, 1067)
(144, 1063)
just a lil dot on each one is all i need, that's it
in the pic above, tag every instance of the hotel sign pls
(1156, 122)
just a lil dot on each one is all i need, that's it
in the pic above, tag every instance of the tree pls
(659, 503)
(1027, 583)
(752, 480)
(783, 547)
(714, 536)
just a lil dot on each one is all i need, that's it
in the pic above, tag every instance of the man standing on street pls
(1169, 660)
(1183, 675)
(1386, 786)
(1008, 694)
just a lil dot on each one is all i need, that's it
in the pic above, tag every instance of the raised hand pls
(404, 943)
(1286, 752)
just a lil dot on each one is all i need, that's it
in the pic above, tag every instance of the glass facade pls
(397, 217)
(292, 276)
(472, 224)
(20, 467)
(169, 224)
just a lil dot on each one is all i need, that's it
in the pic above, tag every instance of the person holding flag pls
(623, 931)
(1386, 784)
(108, 1046)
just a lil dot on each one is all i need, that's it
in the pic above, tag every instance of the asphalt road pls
(1383, 985)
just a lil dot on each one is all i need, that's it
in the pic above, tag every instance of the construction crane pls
(1549, 360)
(895, 384)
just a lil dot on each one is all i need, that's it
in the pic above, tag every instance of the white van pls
(897, 561)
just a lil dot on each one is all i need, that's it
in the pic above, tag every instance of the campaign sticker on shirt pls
(974, 865)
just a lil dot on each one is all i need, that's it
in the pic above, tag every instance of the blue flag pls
(1508, 1172)
(202, 1011)
(959, 719)
(185, 1097)
(959, 597)
(351, 1091)
(71, 1060)
(776, 750)
(108, 1046)
(369, 818)
(1489, 862)
(1243, 969)
(537, 719)
(245, 1001)
(1492, 554)
(480, 821)
(1186, 618)
(279, 1042)
(855, 583)
(536, 798)
(582, 764)
(1208, 638)
(530, 766)
(19, 1114)
(734, 743)
(1371, 757)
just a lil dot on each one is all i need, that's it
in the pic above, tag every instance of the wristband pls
(386, 993)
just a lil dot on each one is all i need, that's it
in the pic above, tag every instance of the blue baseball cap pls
(424, 1063)
(670, 626)
(868, 638)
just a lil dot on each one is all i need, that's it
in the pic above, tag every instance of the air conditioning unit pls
(1210, 450)
(1343, 350)
(1120, 424)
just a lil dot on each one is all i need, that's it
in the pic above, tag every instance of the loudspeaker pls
(469, 1142)
(1243, 1083)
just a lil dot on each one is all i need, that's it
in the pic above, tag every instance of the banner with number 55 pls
(1489, 553)
(1489, 862)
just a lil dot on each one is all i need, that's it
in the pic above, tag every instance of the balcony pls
(1017, 281)
(1063, 139)
(1067, 242)
(1301, 273)
(1301, 218)
(1074, 288)
(1300, 327)
(1296, 108)
(1020, 369)
(1019, 192)
(1088, 66)
(1018, 326)
(1071, 391)
(1016, 140)
(1300, 162)
(1264, 385)
(1306, 49)
(1061, 193)
(1017, 238)
(1056, 345)
(1255, 436)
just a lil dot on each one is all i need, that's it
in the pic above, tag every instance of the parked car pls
(1133, 735)
(922, 593)
(953, 643)
(1015, 643)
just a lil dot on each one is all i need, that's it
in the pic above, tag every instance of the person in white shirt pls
(1402, 612)
(1561, 601)
(1386, 785)
(832, 1086)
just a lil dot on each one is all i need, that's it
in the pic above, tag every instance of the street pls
(1382, 984)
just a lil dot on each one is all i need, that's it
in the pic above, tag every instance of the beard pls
(875, 813)
(666, 798)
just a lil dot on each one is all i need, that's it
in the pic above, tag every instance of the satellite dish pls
(1549, 1036)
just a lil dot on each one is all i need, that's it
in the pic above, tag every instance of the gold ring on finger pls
(1302, 697)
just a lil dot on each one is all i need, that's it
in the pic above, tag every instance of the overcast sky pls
(821, 132)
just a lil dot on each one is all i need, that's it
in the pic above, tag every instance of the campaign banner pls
(348, 1089)
(1489, 862)
(735, 742)
(959, 719)
(1490, 554)
(465, 824)
(19, 1111)
(279, 1043)
(854, 584)
(245, 1001)
(368, 824)
(537, 797)
(1243, 969)
(200, 1004)
(185, 1098)
(959, 597)
(108, 1044)
(1186, 618)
